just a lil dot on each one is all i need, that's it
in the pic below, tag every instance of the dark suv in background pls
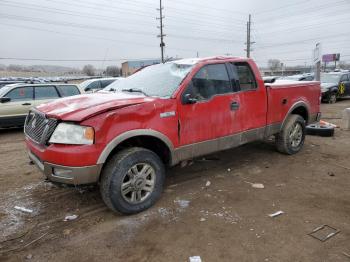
(335, 85)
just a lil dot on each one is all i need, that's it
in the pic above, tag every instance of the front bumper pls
(67, 174)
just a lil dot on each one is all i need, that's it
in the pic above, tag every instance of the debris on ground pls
(324, 123)
(256, 185)
(29, 257)
(324, 232)
(208, 183)
(278, 213)
(280, 185)
(346, 254)
(195, 259)
(331, 174)
(70, 217)
(228, 169)
(202, 219)
(182, 203)
(23, 209)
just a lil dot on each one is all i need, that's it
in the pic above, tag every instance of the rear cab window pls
(209, 81)
(45, 92)
(246, 78)
(21, 94)
(68, 90)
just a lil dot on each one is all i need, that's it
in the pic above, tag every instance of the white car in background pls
(94, 85)
(17, 99)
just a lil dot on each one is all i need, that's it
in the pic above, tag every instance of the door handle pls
(26, 104)
(234, 105)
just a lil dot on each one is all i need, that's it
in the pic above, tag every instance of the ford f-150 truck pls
(124, 139)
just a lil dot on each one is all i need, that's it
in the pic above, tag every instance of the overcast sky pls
(110, 31)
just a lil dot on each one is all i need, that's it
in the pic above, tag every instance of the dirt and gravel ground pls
(225, 221)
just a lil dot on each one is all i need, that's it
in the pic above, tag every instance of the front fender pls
(133, 133)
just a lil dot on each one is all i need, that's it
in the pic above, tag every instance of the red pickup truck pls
(124, 139)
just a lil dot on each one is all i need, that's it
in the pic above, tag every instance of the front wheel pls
(291, 138)
(132, 180)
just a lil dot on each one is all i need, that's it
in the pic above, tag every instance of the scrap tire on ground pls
(126, 169)
(318, 130)
(286, 141)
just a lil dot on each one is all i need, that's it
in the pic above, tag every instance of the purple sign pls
(330, 57)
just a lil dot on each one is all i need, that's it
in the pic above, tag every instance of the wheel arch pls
(299, 108)
(147, 138)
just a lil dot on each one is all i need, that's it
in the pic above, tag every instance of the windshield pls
(86, 83)
(330, 78)
(157, 80)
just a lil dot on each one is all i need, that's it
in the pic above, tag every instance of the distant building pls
(129, 67)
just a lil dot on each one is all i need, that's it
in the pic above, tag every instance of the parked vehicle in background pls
(335, 85)
(94, 85)
(302, 77)
(270, 79)
(160, 116)
(17, 99)
(7, 82)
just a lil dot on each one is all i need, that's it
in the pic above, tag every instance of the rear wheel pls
(291, 138)
(132, 180)
(332, 99)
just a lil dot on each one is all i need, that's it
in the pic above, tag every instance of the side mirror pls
(5, 99)
(188, 99)
(87, 89)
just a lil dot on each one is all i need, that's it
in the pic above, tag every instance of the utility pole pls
(249, 42)
(161, 35)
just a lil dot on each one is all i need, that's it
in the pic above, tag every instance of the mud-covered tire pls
(118, 168)
(285, 142)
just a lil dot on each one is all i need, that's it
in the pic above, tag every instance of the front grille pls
(38, 127)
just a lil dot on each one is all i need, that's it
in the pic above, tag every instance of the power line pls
(72, 60)
(97, 17)
(280, 7)
(306, 11)
(99, 28)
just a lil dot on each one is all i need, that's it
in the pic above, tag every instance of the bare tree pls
(274, 64)
(112, 71)
(89, 70)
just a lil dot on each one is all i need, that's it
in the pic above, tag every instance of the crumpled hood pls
(81, 107)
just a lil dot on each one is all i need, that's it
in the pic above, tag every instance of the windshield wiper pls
(134, 90)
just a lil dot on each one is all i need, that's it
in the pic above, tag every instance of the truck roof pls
(196, 60)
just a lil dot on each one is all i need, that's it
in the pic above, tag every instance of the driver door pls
(214, 108)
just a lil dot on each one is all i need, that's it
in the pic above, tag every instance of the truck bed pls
(284, 95)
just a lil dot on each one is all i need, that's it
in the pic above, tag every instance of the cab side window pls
(209, 81)
(45, 92)
(21, 94)
(245, 76)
